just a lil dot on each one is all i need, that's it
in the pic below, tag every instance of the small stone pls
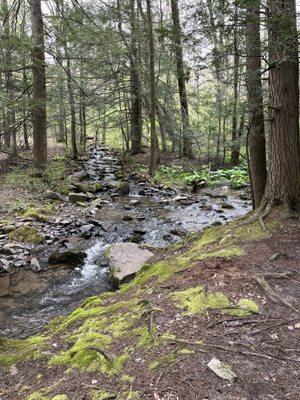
(123, 188)
(224, 371)
(52, 195)
(226, 205)
(35, 265)
(127, 217)
(81, 175)
(8, 228)
(77, 198)
(134, 202)
(86, 228)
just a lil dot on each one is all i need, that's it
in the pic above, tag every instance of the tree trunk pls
(181, 78)
(39, 86)
(135, 84)
(154, 156)
(72, 108)
(256, 133)
(234, 139)
(283, 182)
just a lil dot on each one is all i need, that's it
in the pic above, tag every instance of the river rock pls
(123, 188)
(81, 175)
(125, 260)
(8, 228)
(226, 205)
(52, 195)
(127, 217)
(77, 197)
(86, 228)
(67, 257)
(35, 265)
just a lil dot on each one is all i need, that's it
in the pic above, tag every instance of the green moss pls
(40, 214)
(196, 300)
(37, 396)
(27, 234)
(40, 395)
(14, 350)
(127, 378)
(146, 338)
(54, 177)
(103, 395)
(244, 307)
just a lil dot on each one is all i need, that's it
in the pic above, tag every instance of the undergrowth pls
(170, 175)
(54, 177)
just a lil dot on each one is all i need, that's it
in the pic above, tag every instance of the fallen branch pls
(232, 350)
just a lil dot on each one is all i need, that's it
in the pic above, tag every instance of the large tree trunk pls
(135, 83)
(72, 107)
(181, 78)
(235, 155)
(256, 138)
(154, 156)
(38, 86)
(283, 183)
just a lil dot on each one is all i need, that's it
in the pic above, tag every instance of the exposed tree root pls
(260, 279)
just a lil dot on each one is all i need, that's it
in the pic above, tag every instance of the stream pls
(148, 215)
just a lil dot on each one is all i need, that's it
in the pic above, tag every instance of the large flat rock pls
(125, 260)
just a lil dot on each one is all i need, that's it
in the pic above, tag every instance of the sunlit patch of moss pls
(14, 350)
(131, 395)
(127, 378)
(105, 395)
(90, 356)
(196, 300)
(40, 214)
(186, 351)
(147, 338)
(41, 395)
(244, 307)
(37, 396)
(27, 234)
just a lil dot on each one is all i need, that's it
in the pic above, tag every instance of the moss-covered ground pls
(169, 321)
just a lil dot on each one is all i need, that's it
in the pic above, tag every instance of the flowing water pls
(159, 216)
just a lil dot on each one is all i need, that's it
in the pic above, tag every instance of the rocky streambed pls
(50, 261)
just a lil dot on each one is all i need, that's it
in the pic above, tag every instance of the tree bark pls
(154, 156)
(72, 107)
(235, 155)
(135, 84)
(283, 182)
(39, 118)
(181, 79)
(256, 133)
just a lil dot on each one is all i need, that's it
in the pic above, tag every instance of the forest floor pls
(230, 292)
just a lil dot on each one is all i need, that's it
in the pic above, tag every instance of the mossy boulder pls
(27, 234)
